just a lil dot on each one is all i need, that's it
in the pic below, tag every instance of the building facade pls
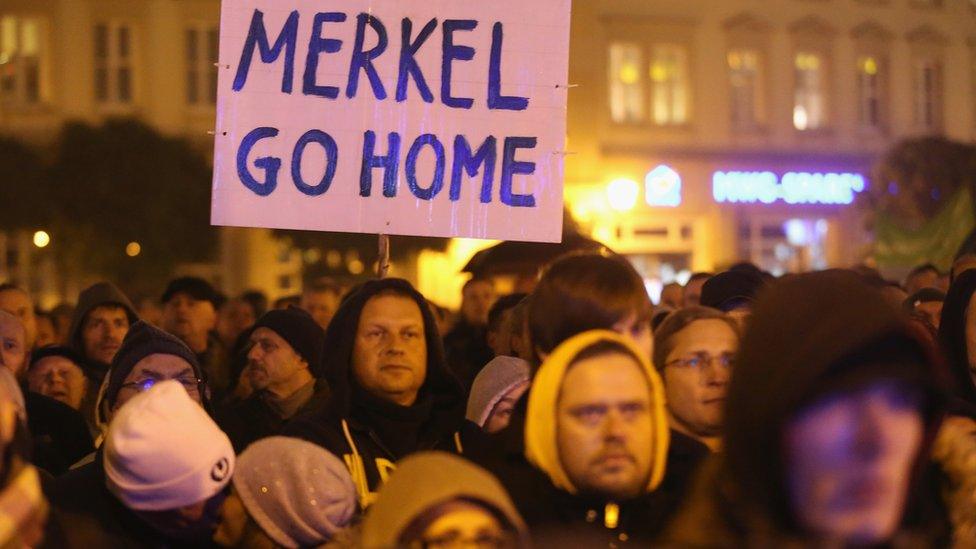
(701, 132)
(707, 132)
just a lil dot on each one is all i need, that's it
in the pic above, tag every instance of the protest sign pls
(431, 118)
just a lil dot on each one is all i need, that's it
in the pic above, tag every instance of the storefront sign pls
(385, 116)
(791, 188)
(662, 187)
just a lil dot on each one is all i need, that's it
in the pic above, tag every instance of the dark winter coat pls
(353, 424)
(809, 336)
(87, 516)
(253, 418)
(952, 332)
(59, 434)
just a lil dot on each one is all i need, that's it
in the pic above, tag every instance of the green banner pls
(937, 242)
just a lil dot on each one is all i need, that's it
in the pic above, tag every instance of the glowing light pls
(41, 239)
(800, 119)
(792, 188)
(662, 187)
(869, 66)
(629, 74)
(356, 267)
(796, 232)
(622, 194)
(333, 259)
(133, 249)
(659, 72)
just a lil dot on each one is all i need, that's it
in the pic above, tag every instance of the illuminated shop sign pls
(662, 187)
(792, 188)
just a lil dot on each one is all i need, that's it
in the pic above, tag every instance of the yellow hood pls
(541, 447)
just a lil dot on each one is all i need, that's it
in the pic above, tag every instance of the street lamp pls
(622, 194)
(133, 249)
(41, 239)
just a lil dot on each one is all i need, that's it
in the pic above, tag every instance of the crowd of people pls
(826, 409)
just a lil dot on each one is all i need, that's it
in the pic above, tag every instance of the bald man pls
(13, 347)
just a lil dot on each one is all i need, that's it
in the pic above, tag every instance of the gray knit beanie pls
(296, 491)
(495, 380)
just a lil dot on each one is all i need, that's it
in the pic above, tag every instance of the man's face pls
(604, 430)
(321, 305)
(58, 378)
(102, 332)
(46, 333)
(671, 296)
(13, 349)
(272, 361)
(18, 303)
(695, 380)
(931, 311)
(196, 522)
(390, 353)
(501, 414)
(692, 292)
(235, 316)
(187, 317)
(476, 301)
(849, 459)
(153, 369)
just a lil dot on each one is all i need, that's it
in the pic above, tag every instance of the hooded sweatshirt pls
(952, 332)
(549, 500)
(429, 479)
(102, 293)
(810, 336)
(369, 433)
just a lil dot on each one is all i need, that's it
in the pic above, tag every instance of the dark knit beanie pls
(55, 350)
(143, 340)
(300, 330)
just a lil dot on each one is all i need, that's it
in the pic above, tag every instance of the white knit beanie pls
(163, 451)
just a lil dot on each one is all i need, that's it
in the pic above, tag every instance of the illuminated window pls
(201, 72)
(928, 94)
(113, 63)
(809, 96)
(746, 88)
(21, 55)
(669, 84)
(626, 86)
(869, 91)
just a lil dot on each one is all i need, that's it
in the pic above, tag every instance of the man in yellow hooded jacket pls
(596, 436)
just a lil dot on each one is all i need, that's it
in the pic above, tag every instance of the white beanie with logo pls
(163, 451)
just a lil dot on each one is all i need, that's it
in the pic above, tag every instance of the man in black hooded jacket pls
(392, 393)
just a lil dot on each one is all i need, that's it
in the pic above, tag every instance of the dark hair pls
(585, 292)
(414, 531)
(678, 321)
(287, 301)
(258, 301)
(6, 286)
(475, 280)
(502, 305)
(923, 268)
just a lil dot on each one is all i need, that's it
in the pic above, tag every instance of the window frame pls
(113, 63)
(20, 99)
(814, 36)
(201, 66)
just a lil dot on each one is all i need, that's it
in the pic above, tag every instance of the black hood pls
(102, 293)
(810, 335)
(440, 385)
(952, 332)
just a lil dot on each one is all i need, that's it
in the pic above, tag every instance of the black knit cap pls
(143, 340)
(300, 330)
(197, 288)
(55, 350)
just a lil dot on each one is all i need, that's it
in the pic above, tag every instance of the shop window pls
(669, 84)
(22, 55)
(928, 94)
(626, 86)
(746, 88)
(869, 92)
(810, 93)
(113, 64)
(201, 72)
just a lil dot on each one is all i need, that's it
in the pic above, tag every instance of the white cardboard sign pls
(416, 117)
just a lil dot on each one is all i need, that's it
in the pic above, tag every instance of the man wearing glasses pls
(148, 356)
(693, 350)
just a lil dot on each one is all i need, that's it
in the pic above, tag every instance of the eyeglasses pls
(191, 384)
(698, 361)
